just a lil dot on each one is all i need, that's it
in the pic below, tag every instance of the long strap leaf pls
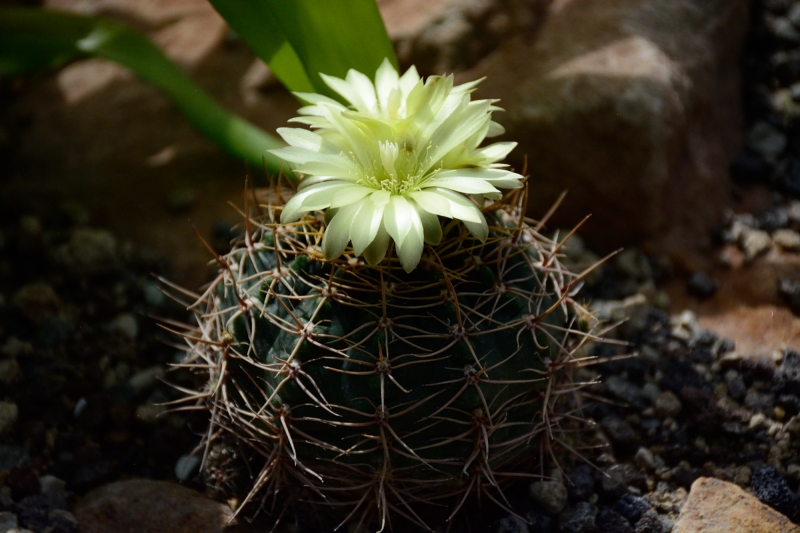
(299, 39)
(35, 38)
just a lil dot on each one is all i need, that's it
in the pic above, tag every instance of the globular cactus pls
(430, 371)
(378, 390)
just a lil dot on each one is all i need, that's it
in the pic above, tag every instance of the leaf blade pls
(36, 38)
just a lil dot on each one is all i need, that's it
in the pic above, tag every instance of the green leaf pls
(329, 37)
(35, 38)
(254, 22)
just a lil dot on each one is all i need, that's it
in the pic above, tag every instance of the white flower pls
(402, 154)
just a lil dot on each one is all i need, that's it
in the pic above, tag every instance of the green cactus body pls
(379, 390)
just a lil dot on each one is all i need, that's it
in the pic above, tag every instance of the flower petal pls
(376, 251)
(397, 218)
(495, 129)
(348, 195)
(480, 230)
(409, 250)
(306, 139)
(295, 154)
(495, 152)
(456, 129)
(342, 169)
(337, 234)
(341, 86)
(357, 142)
(467, 178)
(447, 203)
(311, 198)
(464, 185)
(408, 81)
(431, 226)
(365, 90)
(314, 98)
(386, 81)
(365, 226)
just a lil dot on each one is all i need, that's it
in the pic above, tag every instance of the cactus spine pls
(377, 391)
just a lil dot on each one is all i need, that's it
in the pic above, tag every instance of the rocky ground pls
(699, 431)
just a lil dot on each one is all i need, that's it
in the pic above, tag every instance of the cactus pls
(377, 391)
(425, 373)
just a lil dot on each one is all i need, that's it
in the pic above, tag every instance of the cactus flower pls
(403, 153)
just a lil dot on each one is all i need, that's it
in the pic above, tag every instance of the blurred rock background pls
(632, 105)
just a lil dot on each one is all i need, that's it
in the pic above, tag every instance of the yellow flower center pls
(397, 170)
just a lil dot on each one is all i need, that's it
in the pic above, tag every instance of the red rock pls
(747, 307)
(716, 506)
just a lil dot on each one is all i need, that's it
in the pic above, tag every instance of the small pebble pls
(652, 522)
(701, 286)
(770, 487)
(10, 372)
(579, 518)
(794, 17)
(757, 421)
(539, 521)
(609, 521)
(8, 521)
(144, 379)
(783, 29)
(787, 378)
(149, 413)
(613, 481)
(631, 507)
(52, 484)
(580, 483)
(645, 458)
(766, 140)
(14, 348)
(634, 264)
(737, 388)
(8, 416)
(89, 251)
(153, 295)
(186, 466)
(618, 430)
(742, 476)
(510, 524)
(550, 495)
(126, 325)
(652, 391)
(627, 392)
(61, 521)
(787, 239)
(754, 243)
(668, 405)
(35, 301)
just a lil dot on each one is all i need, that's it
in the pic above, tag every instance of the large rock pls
(632, 105)
(146, 506)
(716, 506)
(451, 35)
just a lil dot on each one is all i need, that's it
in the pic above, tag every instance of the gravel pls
(771, 488)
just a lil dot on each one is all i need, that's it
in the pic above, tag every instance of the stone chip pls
(716, 506)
